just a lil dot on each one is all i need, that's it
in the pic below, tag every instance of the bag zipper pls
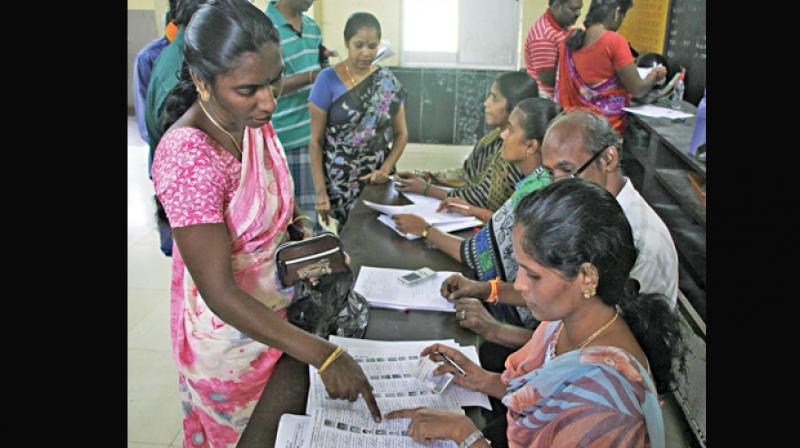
(311, 257)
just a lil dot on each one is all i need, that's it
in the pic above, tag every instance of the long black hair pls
(185, 9)
(218, 33)
(515, 87)
(537, 114)
(598, 12)
(576, 221)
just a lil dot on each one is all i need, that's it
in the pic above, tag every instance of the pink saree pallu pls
(222, 372)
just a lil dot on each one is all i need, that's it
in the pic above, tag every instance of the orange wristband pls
(495, 294)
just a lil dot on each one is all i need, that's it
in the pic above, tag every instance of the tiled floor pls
(154, 415)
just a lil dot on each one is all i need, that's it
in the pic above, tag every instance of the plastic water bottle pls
(677, 94)
(699, 134)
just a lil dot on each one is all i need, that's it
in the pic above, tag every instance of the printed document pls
(390, 368)
(383, 289)
(294, 431)
(447, 227)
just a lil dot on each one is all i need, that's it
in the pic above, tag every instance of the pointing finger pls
(366, 392)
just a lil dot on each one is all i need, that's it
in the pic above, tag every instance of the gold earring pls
(589, 293)
(204, 95)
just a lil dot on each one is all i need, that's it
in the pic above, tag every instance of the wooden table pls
(369, 243)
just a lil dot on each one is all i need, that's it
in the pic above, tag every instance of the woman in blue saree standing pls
(356, 111)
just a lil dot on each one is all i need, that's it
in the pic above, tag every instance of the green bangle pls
(427, 187)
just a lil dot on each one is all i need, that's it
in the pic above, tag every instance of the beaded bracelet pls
(332, 357)
(427, 187)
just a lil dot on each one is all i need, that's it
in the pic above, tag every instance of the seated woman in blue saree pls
(357, 109)
(591, 374)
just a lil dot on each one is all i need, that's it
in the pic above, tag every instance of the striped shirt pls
(300, 54)
(541, 48)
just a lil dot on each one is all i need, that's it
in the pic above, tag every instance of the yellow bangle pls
(299, 217)
(332, 357)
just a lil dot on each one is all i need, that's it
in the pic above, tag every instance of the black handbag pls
(316, 256)
(329, 306)
(324, 301)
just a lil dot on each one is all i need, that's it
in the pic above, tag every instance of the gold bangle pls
(332, 357)
(299, 217)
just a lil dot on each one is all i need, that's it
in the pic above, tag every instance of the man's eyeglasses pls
(569, 175)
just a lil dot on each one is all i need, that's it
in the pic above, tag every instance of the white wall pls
(332, 16)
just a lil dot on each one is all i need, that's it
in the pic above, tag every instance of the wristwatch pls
(472, 438)
(425, 230)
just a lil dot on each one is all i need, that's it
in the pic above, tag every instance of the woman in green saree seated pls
(486, 180)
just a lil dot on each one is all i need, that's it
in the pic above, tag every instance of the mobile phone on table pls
(418, 276)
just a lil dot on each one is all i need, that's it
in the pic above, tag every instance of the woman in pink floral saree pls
(229, 203)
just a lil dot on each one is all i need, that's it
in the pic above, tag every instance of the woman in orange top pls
(596, 69)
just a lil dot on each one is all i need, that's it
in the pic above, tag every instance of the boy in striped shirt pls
(301, 44)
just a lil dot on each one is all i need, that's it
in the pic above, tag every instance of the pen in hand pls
(453, 204)
(450, 361)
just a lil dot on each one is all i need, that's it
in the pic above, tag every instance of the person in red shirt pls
(596, 69)
(544, 38)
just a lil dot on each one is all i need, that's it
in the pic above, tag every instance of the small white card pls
(424, 373)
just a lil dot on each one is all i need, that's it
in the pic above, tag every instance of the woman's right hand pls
(456, 205)
(345, 379)
(457, 286)
(323, 206)
(657, 75)
(409, 182)
(475, 378)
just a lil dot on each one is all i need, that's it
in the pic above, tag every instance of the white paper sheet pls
(420, 199)
(426, 211)
(382, 288)
(644, 71)
(648, 110)
(333, 428)
(390, 365)
(294, 431)
(444, 227)
(348, 343)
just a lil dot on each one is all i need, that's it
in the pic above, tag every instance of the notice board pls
(645, 25)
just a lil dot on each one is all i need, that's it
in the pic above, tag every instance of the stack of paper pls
(383, 289)
(649, 110)
(425, 208)
(294, 431)
(389, 367)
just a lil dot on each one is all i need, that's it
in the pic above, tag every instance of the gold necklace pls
(214, 122)
(347, 67)
(590, 338)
